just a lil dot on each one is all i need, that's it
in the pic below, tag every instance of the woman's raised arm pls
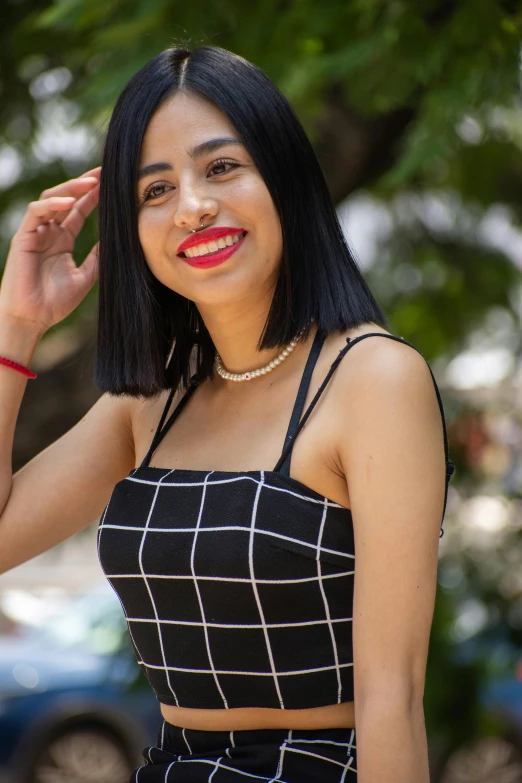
(65, 487)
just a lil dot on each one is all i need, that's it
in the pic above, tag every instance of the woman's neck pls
(236, 335)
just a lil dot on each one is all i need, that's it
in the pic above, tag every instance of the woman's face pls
(194, 166)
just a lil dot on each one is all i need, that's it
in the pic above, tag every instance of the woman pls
(231, 306)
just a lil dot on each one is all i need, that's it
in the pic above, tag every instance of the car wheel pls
(82, 756)
(489, 760)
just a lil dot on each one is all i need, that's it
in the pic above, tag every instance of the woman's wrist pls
(19, 339)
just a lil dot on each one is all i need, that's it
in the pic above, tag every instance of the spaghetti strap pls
(450, 467)
(300, 400)
(161, 430)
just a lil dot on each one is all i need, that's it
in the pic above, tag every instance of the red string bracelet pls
(17, 367)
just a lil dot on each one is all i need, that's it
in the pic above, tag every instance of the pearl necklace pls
(247, 376)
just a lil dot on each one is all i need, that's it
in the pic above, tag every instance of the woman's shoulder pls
(384, 399)
(389, 367)
(367, 343)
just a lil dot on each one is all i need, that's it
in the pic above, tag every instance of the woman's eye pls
(222, 166)
(154, 191)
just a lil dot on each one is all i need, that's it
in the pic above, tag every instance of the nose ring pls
(197, 229)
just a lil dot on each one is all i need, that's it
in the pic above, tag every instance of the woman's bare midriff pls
(333, 716)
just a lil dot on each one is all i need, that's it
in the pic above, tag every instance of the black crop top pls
(237, 587)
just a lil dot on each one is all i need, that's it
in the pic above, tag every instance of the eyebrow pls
(196, 152)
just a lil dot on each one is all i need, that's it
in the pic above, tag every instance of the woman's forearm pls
(391, 743)
(18, 341)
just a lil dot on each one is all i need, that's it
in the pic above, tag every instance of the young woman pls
(278, 589)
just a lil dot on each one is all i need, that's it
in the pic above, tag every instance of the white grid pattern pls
(180, 577)
(242, 625)
(292, 673)
(326, 607)
(186, 740)
(223, 766)
(227, 528)
(332, 767)
(201, 607)
(315, 755)
(256, 593)
(136, 651)
(231, 480)
(318, 539)
(218, 762)
(279, 770)
(160, 637)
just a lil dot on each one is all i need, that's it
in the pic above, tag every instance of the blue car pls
(74, 706)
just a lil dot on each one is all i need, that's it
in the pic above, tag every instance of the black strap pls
(315, 350)
(162, 431)
(450, 467)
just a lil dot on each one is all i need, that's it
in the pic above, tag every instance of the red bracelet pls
(17, 367)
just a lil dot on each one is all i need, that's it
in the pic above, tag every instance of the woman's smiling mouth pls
(212, 252)
(205, 248)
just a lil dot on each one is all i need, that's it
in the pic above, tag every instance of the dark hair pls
(139, 318)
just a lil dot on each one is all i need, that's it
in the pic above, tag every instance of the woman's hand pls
(41, 283)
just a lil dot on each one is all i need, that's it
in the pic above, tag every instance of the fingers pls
(73, 221)
(44, 238)
(74, 199)
(95, 172)
(40, 212)
(73, 187)
(89, 267)
(55, 203)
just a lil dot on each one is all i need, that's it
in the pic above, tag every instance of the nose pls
(193, 202)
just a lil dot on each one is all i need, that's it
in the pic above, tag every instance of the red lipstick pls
(218, 256)
(206, 235)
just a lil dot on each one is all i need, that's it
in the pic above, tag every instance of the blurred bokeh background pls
(415, 112)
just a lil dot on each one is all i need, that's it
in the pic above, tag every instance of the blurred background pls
(415, 112)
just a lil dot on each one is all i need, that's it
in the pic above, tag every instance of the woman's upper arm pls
(392, 453)
(67, 485)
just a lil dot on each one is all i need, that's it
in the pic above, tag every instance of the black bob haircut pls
(142, 322)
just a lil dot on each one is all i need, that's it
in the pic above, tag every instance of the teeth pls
(211, 247)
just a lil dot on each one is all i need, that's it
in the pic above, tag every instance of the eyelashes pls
(149, 192)
(223, 162)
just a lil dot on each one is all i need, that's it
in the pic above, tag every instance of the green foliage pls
(440, 58)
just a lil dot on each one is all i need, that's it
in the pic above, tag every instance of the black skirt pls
(192, 756)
